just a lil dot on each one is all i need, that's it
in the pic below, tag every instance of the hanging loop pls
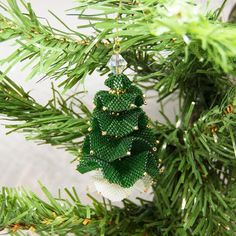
(116, 46)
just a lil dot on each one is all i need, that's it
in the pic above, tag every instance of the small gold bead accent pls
(213, 129)
(154, 149)
(128, 153)
(86, 221)
(174, 39)
(104, 108)
(145, 102)
(91, 152)
(90, 129)
(157, 141)
(148, 126)
(118, 114)
(162, 169)
(32, 229)
(229, 109)
(104, 133)
(132, 105)
(145, 173)
(144, 95)
(135, 127)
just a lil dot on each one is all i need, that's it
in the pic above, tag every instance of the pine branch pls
(169, 50)
(51, 52)
(23, 210)
(169, 46)
(158, 46)
(191, 186)
(155, 22)
(197, 161)
(56, 123)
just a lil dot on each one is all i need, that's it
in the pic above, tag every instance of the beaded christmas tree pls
(120, 142)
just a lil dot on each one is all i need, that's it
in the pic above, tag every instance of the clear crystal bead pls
(117, 64)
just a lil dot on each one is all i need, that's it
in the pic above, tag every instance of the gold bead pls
(144, 95)
(86, 221)
(112, 91)
(117, 113)
(104, 108)
(213, 129)
(154, 149)
(145, 173)
(135, 127)
(90, 129)
(145, 102)
(148, 126)
(132, 105)
(229, 109)
(128, 153)
(157, 141)
(174, 39)
(91, 152)
(104, 133)
(162, 169)
(32, 229)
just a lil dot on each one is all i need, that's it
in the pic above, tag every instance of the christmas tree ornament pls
(120, 143)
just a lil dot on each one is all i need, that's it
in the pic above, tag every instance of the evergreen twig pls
(195, 192)
(54, 54)
(59, 126)
(23, 210)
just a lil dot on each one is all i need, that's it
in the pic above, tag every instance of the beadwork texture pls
(120, 143)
